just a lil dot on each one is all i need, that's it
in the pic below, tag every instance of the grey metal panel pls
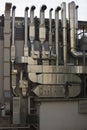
(6, 68)
(1, 72)
(7, 25)
(61, 116)
(83, 107)
(57, 69)
(19, 50)
(54, 78)
(6, 54)
(1, 58)
(16, 110)
(57, 90)
(1, 90)
(7, 40)
(7, 83)
(23, 110)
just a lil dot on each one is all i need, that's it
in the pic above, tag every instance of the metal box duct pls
(16, 110)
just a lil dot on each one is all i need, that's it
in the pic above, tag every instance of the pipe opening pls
(51, 9)
(14, 7)
(33, 8)
(58, 8)
(43, 8)
(27, 8)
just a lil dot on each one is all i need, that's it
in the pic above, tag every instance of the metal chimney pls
(73, 29)
(26, 25)
(64, 26)
(26, 32)
(32, 25)
(13, 35)
(50, 28)
(57, 34)
(42, 29)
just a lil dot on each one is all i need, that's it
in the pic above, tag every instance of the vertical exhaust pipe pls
(32, 14)
(42, 14)
(13, 36)
(64, 26)
(32, 27)
(42, 29)
(26, 32)
(50, 29)
(73, 30)
(57, 34)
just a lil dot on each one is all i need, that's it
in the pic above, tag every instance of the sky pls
(21, 4)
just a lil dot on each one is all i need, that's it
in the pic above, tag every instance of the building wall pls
(1, 71)
(61, 116)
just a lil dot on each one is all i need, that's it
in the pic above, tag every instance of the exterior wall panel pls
(61, 116)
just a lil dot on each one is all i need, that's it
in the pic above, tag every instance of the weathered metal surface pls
(57, 69)
(53, 78)
(83, 107)
(57, 90)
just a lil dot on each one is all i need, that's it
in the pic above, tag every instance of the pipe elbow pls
(76, 53)
(43, 8)
(27, 8)
(14, 7)
(33, 8)
(58, 9)
(51, 9)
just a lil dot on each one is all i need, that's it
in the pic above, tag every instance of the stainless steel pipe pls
(26, 25)
(50, 28)
(13, 36)
(57, 34)
(64, 26)
(13, 24)
(73, 29)
(42, 14)
(32, 14)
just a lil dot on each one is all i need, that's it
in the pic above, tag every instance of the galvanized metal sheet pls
(57, 90)
(83, 107)
(57, 69)
(54, 78)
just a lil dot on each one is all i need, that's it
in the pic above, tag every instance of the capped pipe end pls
(33, 8)
(14, 7)
(58, 8)
(77, 6)
(51, 9)
(27, 8)
(43, 8)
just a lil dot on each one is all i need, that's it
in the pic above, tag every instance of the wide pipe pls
(57, 34)
(42, 17)
(32, 14)
(50, 28)
(64, 26)
(26, 25)
(13, 24)
(73, 29)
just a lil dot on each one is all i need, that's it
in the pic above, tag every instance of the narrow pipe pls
(73, 26)
(57, 34)
(64, 26)
(50, 28)
(32, 14)
(13, 24)
(13, 37)
(32, 25)
(42, 17)
(26, 25)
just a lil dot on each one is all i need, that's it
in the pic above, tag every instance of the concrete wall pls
(62, 116)
(1, 71)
